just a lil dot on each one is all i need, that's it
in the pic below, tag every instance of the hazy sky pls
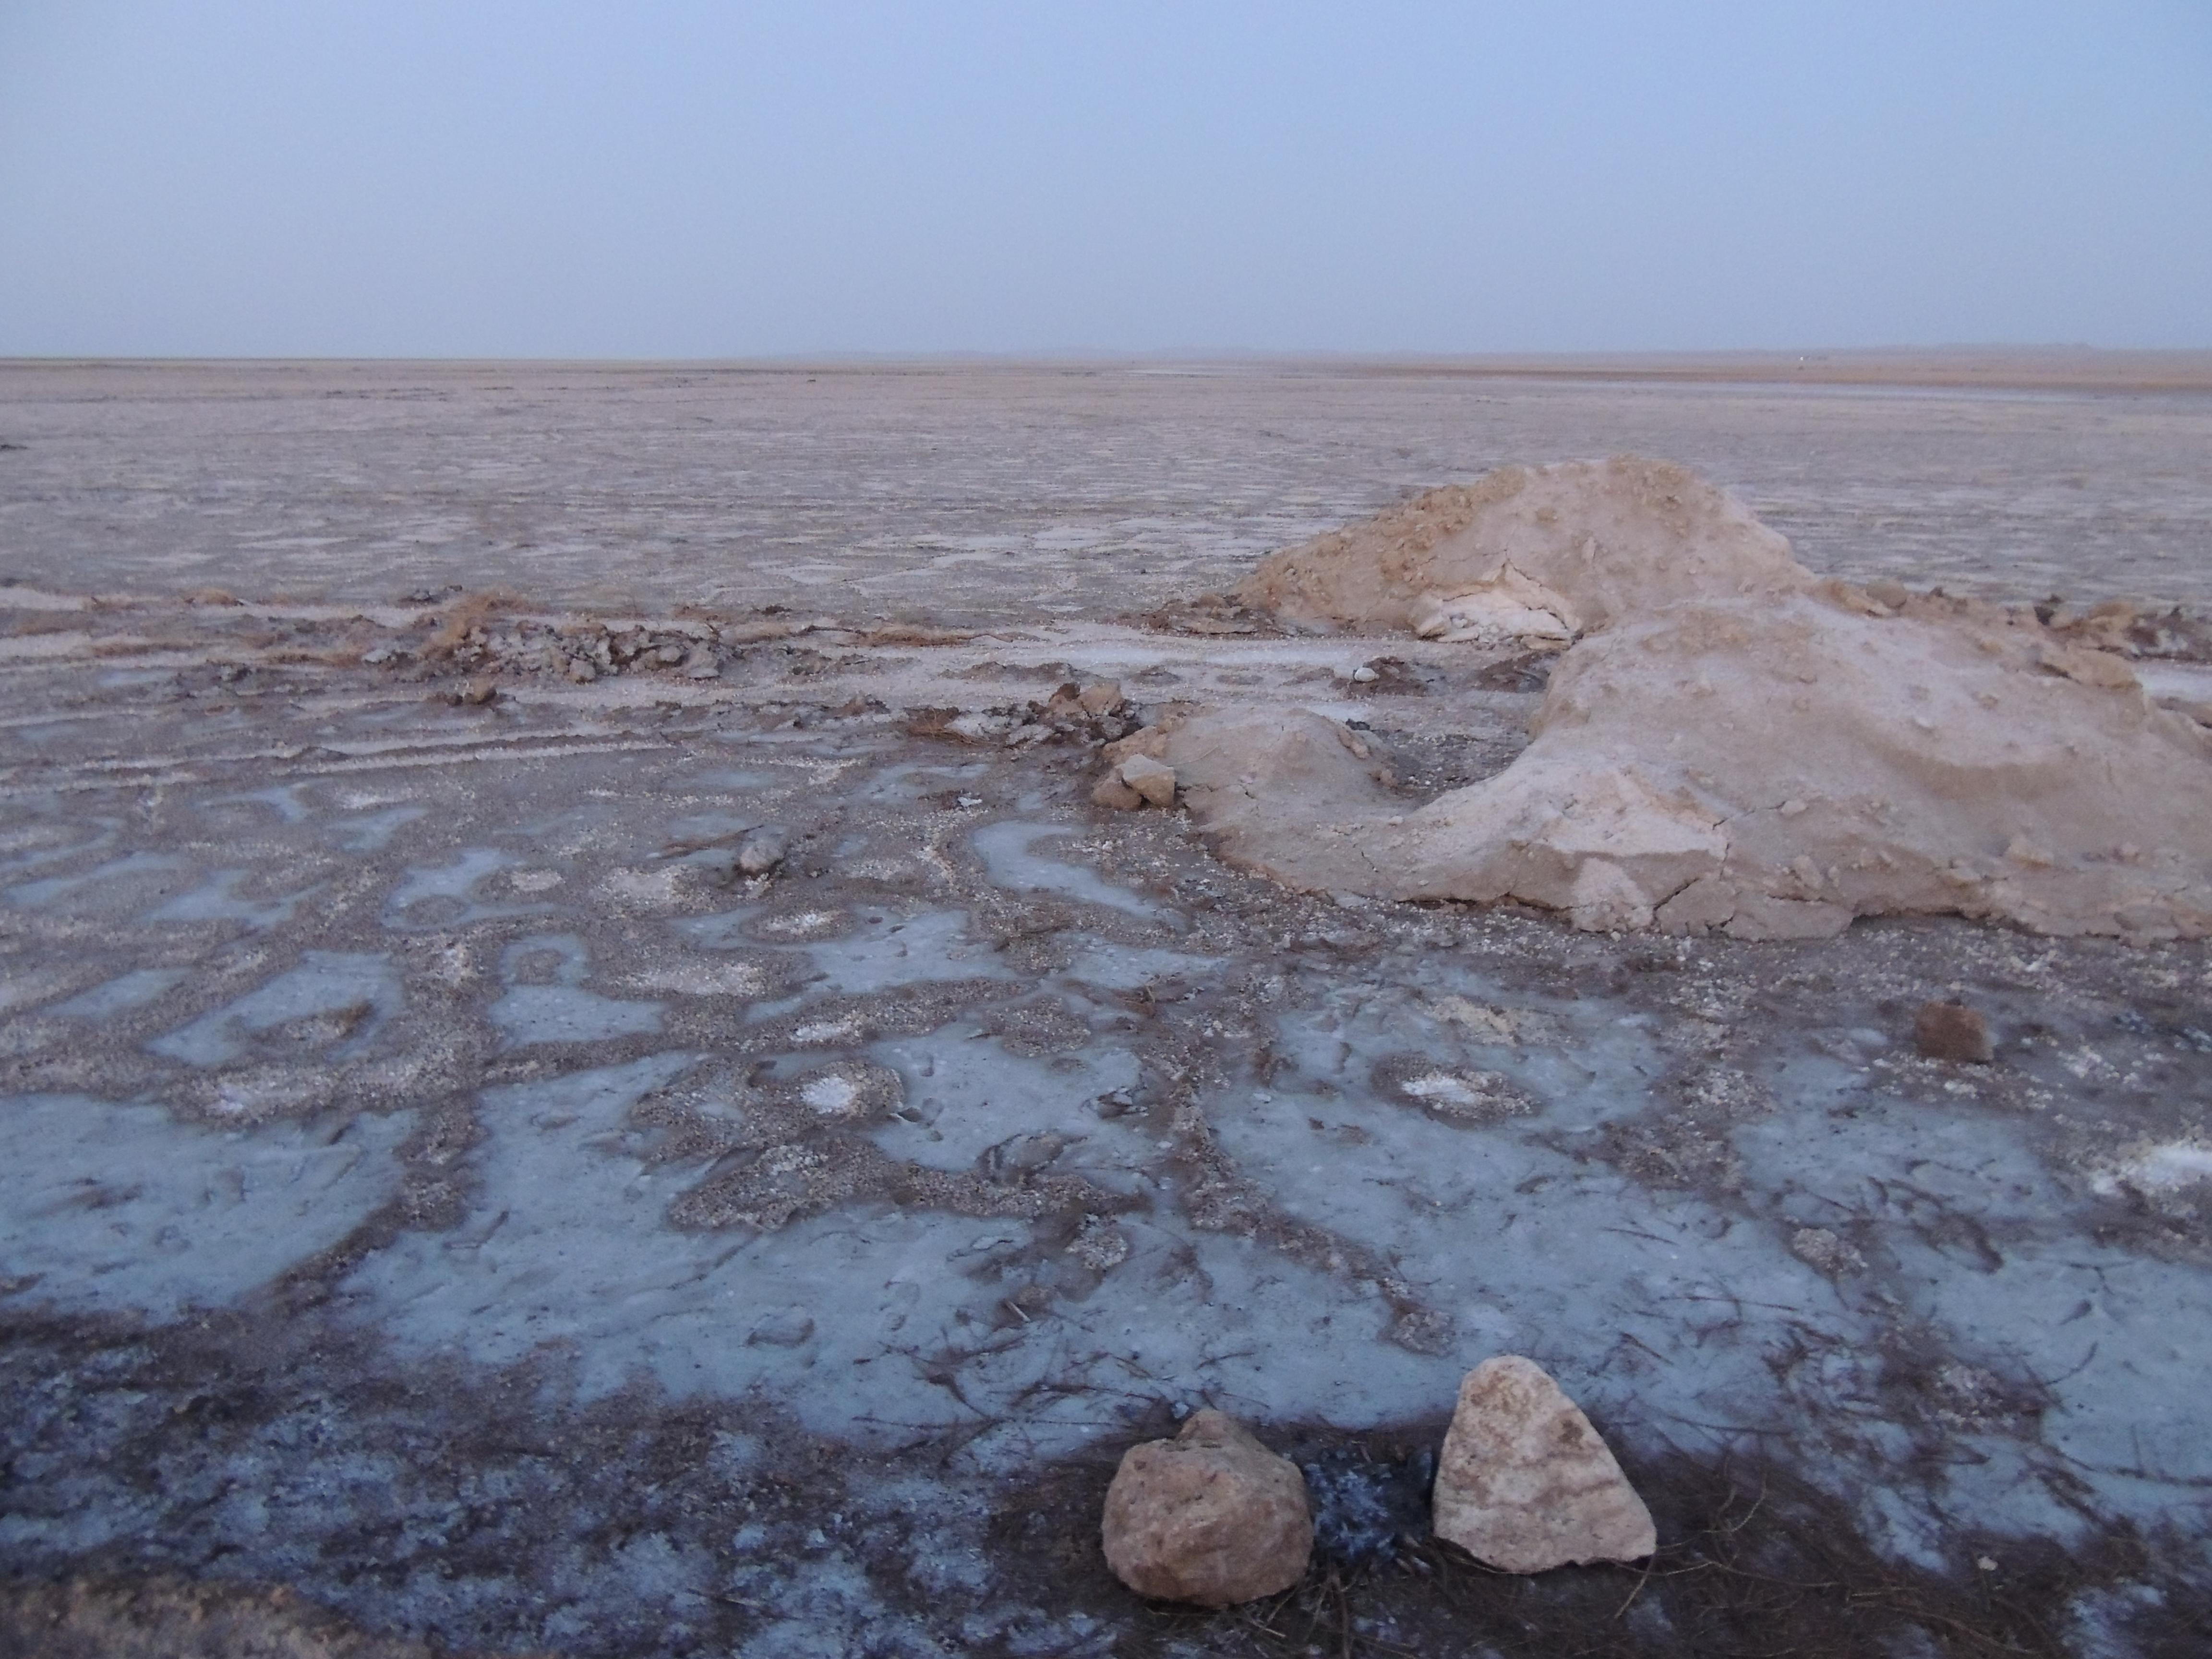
(665, 178)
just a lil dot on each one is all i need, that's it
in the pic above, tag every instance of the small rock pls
(477, 692)
(1364, 675)
(1114, 1102)
(582, 670)
(1884, 590)
(669, 655)
(930, 722)
(1819, 1248)
(377, 655)
(1526, 1483)
(1951, 1031)
(1100, 1245)
(1112, 791)
(761, 851)
(1210, 1517)
(1102, 698)
(979, 727)
(1154, 780)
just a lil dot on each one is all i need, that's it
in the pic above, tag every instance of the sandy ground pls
(444, 1185)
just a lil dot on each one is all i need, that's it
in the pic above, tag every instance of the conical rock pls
(1210, 1517)
(1526, 1483)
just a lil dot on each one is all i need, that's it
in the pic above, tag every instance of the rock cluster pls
(1524, 1484)
(1088, 715)
(1136, 775)
(481, 634)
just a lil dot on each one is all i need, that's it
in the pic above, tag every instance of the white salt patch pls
(562, 1011)
(568, 1243)
(1440, 1085)
(831, 1094)
(804, 925)
(283, 798)
(2161, 1169)
(703, 978)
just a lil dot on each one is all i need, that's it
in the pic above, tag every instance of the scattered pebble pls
(762, 850)
(1951, 1031)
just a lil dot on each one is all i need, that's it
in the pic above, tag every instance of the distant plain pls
(987, 491)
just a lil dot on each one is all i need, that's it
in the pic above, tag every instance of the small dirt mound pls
(1539, 553)
(1729, 743)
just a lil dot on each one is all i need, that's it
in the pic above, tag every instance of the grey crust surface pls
(440, 1179)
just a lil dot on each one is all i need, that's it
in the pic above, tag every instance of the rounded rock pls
(1211, 1517)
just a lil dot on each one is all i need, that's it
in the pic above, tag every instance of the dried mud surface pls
(453, 1205)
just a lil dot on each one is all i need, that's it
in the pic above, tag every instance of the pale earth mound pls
(1727, 743)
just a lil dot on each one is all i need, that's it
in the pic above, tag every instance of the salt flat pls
(444, 1180)
(988, 492)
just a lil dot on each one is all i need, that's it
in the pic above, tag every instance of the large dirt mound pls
(1537, 552)
(1732, 747)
